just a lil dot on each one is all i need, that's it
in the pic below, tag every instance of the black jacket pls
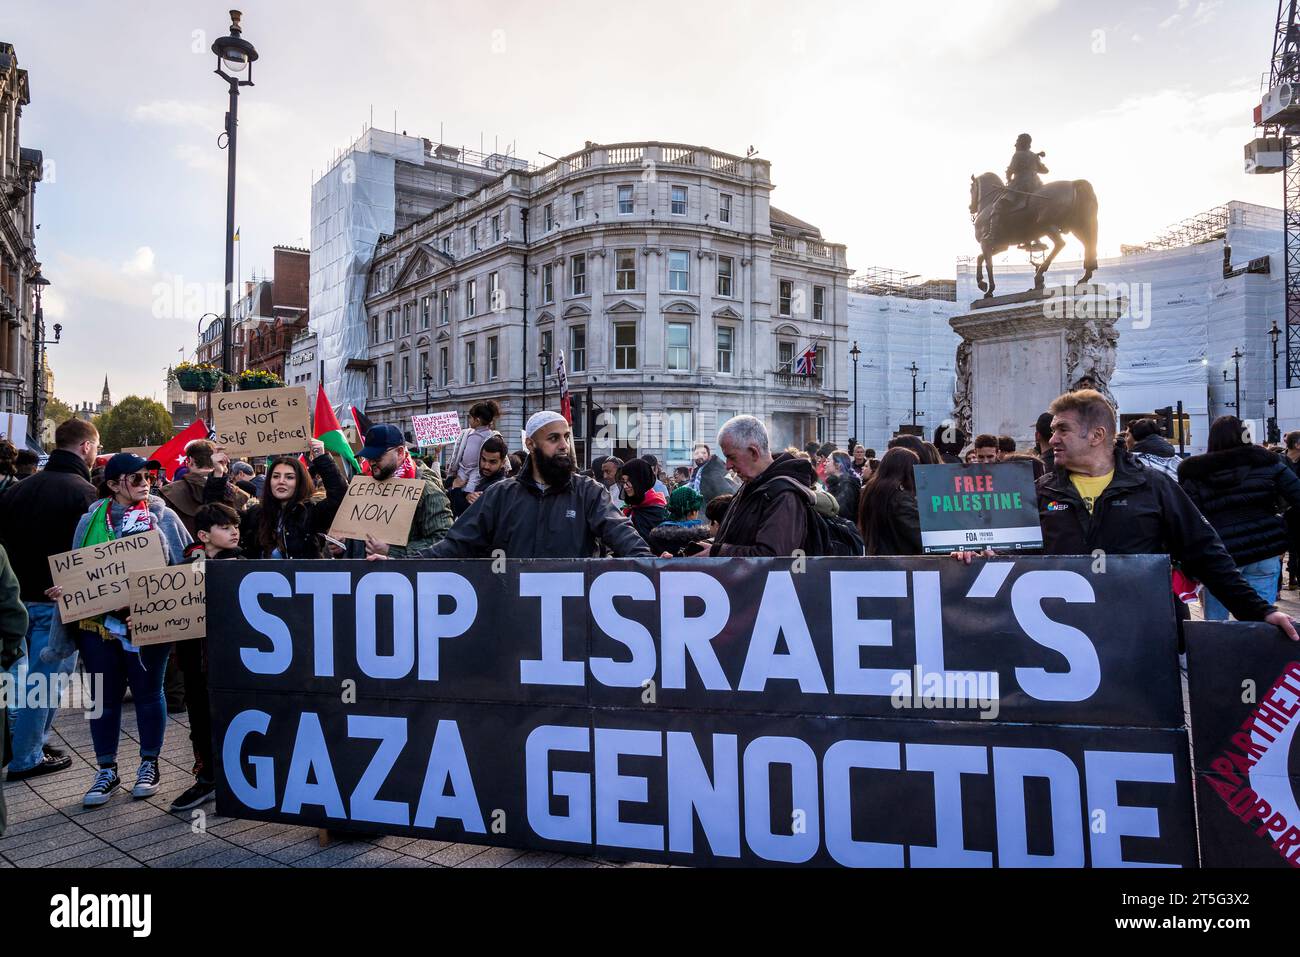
(304, 523)
(458, 496)
(713, 479)
(846, 490)
(769, 515)
(1144, 512)
(39, 515)
(901, 532)
(528, 521)
(673, 538)
(1242, 491)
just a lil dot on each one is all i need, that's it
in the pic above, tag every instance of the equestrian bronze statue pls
(1024, 210)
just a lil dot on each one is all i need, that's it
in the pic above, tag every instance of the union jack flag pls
(806, 364)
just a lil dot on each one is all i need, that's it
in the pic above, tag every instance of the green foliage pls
(135, 421)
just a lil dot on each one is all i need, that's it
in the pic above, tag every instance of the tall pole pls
(232, 126)
(523, 402)
(855, 352)
(1274, 432)
(39, 323)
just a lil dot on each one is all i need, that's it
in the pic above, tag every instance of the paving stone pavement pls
(48, 827)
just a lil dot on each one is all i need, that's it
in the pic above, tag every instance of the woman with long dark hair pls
(1241, 489)
(287, 522)
(887, 513)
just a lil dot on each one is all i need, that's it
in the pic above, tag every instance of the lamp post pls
(855, 352)
(235, 57)
(38, 340)
(914, 370)
(544, 362)
(1237, 356)
(428, 381)
(1274, 431)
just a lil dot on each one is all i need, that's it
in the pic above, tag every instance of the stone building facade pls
(20, 170)
(675, 291)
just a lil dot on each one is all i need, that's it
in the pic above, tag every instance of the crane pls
(1278, 119)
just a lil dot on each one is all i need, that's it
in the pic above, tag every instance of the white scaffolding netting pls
(352, 205)
(1184, 319)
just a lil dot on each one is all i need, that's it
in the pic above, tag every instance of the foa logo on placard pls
(75, 910)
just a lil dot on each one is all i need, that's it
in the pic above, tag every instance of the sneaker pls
(200, 793)
(106, 782)
(46, 765)
(147, 779)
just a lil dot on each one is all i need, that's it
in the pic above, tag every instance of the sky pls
(874, 115)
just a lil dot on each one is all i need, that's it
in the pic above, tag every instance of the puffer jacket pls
(1242, 491)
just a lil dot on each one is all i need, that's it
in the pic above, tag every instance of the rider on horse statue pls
(1022, 182)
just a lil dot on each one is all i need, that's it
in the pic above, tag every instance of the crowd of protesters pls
(1224, 518)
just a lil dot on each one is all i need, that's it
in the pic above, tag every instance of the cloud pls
(177, 113)
(1206, 11)
(1170, 20)
(140, 264)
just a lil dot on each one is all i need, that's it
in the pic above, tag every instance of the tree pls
(56, 413)
(134, 421)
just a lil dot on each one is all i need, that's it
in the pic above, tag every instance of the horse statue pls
(1064, 206)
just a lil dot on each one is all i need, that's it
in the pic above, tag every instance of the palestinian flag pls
(330, 432)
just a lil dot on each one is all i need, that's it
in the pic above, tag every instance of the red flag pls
(171, 456)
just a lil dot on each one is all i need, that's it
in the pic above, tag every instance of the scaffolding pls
(883, 281)
(1206, 227)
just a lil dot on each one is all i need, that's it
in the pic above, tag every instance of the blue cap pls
(123, 463)
(379, 439)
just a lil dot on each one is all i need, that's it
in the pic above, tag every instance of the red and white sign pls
(439, 428)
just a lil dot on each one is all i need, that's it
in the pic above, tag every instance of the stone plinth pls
(1016, 357)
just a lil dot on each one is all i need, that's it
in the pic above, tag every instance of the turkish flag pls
(172, 455)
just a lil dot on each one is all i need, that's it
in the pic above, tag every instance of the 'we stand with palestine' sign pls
(973, 507)
(861, 712)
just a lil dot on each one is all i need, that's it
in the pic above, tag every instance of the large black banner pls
(1244, 686)
(883, 712)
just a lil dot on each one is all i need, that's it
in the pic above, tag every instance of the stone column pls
(1020, 353)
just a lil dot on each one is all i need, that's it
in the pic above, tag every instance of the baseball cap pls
(123, 463)
(379, 439)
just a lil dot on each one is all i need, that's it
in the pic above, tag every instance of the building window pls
(724, 208)
(821, 365)
(579, 209)
(471, 297)
(473, 237)
(374, 382)
(374, 330)
(625, 269)
(388, 325)
(726, 271)
(424, 370)
(407, 310)
(388, 377)
(471, 362)
(726, 346)
(444, 314)
(578, 349)
(548, 217)
(406, 375)
(492, 357)
(625, 346)
(625, 200)
(787, 293)
(679, 347)
(679, 200)
(679, 270)
(679, 434)
(496, 229)
(426, 311)
(578, 275)
(444, 367)
(495, 299)
(785, 357)
(446, 245)
(548, 283)
(548, 347)
(819, 303)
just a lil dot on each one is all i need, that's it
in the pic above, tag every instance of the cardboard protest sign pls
(439, 428)
(95, 579)
(168, 604)
(977, 507)
(383, 510)
(261, 421)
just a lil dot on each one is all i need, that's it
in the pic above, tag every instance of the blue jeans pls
(143, 671)
(31, 725)
(1263, 576)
